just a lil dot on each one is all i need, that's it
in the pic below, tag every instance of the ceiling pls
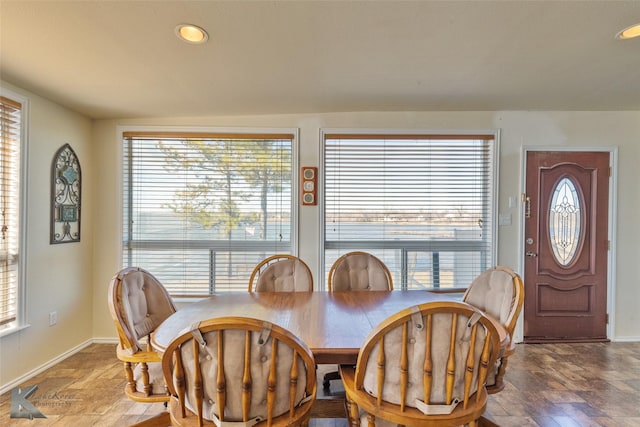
(121, 59)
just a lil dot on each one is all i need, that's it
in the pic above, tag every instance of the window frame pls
(21, 305)
(406, 133)
(237, 246)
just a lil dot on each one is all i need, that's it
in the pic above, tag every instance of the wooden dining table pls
(333, 324)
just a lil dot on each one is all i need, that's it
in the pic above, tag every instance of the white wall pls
(59, 277)
(518, 129)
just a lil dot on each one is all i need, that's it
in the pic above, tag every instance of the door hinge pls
(607, 318)
(608, 245)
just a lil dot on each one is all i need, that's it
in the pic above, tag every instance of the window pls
(10, 209)
(201, 210)
(565, 219)
(424, 204)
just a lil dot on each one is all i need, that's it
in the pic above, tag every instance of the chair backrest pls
(239, 369)
(359, 271)
(281, 273)
(138, 303)
(426, 358)
(499, 292)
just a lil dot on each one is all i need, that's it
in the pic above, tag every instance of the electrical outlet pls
(53, 318)
(504, 219)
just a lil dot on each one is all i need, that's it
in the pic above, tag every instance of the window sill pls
(14, 329)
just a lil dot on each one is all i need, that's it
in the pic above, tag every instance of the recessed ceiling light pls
(629, 33)
(191, 33)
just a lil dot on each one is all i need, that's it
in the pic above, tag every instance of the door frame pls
(611, 227)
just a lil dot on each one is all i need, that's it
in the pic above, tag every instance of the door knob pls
(531, 254)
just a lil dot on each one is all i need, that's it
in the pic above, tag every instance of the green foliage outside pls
(227, 173)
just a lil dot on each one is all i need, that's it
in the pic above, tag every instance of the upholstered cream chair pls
(499, 292)
(138, 303)
(359, 271)
(281, 273)
(424, 366)
(240, 370)
(356, 271)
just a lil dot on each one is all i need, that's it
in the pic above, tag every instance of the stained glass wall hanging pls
(66, 195)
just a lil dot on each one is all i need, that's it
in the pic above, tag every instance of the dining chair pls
(356, 271)
(281, 273)
(423, 366)
(138, 303)
(241, 372)
(499, 292)
(359, 271)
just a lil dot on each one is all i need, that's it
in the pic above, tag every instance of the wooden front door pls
(566, 246)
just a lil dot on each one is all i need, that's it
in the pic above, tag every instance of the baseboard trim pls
(625, 339)
(104, 340)
(27, 376)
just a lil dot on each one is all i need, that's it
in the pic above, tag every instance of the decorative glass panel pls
(565, 221)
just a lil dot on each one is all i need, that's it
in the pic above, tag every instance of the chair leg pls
(499, 382)
(353, 413)
(328, 377)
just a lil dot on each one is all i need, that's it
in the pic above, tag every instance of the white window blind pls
(424, 204)
(10, 143)
(201, 210)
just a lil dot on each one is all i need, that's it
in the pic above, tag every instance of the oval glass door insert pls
(565, 221)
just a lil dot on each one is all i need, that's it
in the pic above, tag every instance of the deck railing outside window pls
(423, 203)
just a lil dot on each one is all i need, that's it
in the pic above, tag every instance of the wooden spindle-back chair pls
(424, 366)
(281, 273)
(499, 292)
(138, 303)
(356, 271)
(359, 271)
(242, 370)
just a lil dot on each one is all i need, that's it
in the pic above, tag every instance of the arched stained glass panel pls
(565, 221)
(65, 191)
